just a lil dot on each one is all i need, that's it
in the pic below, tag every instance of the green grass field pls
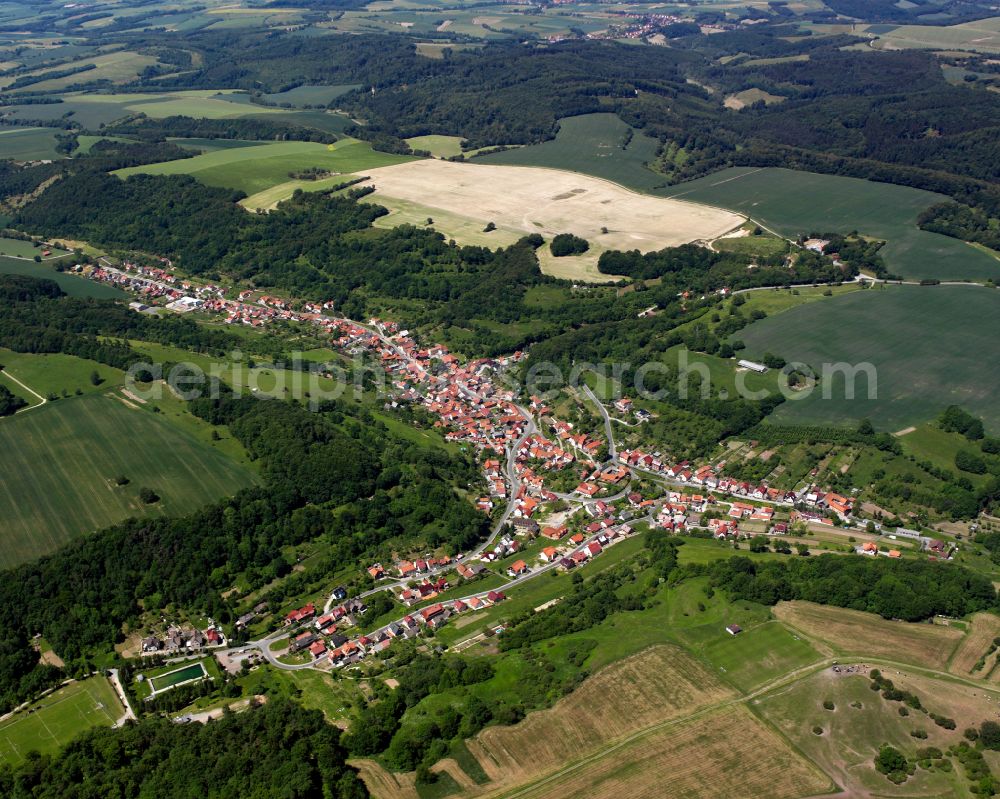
(759, 655)
(981, 36)
(59, 462)
(58, 718)
(266, 166)
(73, 285)
(592, 144)
(28, 144)
(438, 146)
(54, 373)
(17, 248)
(312, 95)
(931, 347)
(792, 203)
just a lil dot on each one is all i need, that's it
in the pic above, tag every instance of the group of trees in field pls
(276, 749)
(910, 590)
(567, 244)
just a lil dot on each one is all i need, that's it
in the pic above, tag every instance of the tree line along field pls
(60, 462)
(930, 346)
(262, 167)
(58, 718)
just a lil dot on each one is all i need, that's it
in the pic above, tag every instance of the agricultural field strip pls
(983, 629)
(778, 683)
(673, 723)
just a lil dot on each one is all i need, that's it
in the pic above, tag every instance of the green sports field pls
(255, 169)
(791, 203)
(58, 718)
(932, 346)
(59, 463)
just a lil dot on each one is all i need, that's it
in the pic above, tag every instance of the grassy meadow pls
(73, 285)
(28, 144)
(594, 144)
(929, 346)
(262, 167)
(60, 462)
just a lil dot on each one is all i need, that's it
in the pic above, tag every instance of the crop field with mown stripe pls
(929, 346)
(255, 169)
(59, 463)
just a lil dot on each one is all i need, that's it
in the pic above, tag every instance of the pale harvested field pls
(645, 689)
(551, 201)
(983, 629)
(648, 688)
(728, 753)
(383, 784)
(868, 635)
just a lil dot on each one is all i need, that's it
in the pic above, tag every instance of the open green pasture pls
(311, 95)
(28, 144)
(59, 463)
(73, 285)
(261, 167)
(594, 144)
(792, 203)
(55, 720)
(930, 346)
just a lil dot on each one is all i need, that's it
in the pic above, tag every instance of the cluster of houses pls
(345, 652)
(178, 640)
(708, 476)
